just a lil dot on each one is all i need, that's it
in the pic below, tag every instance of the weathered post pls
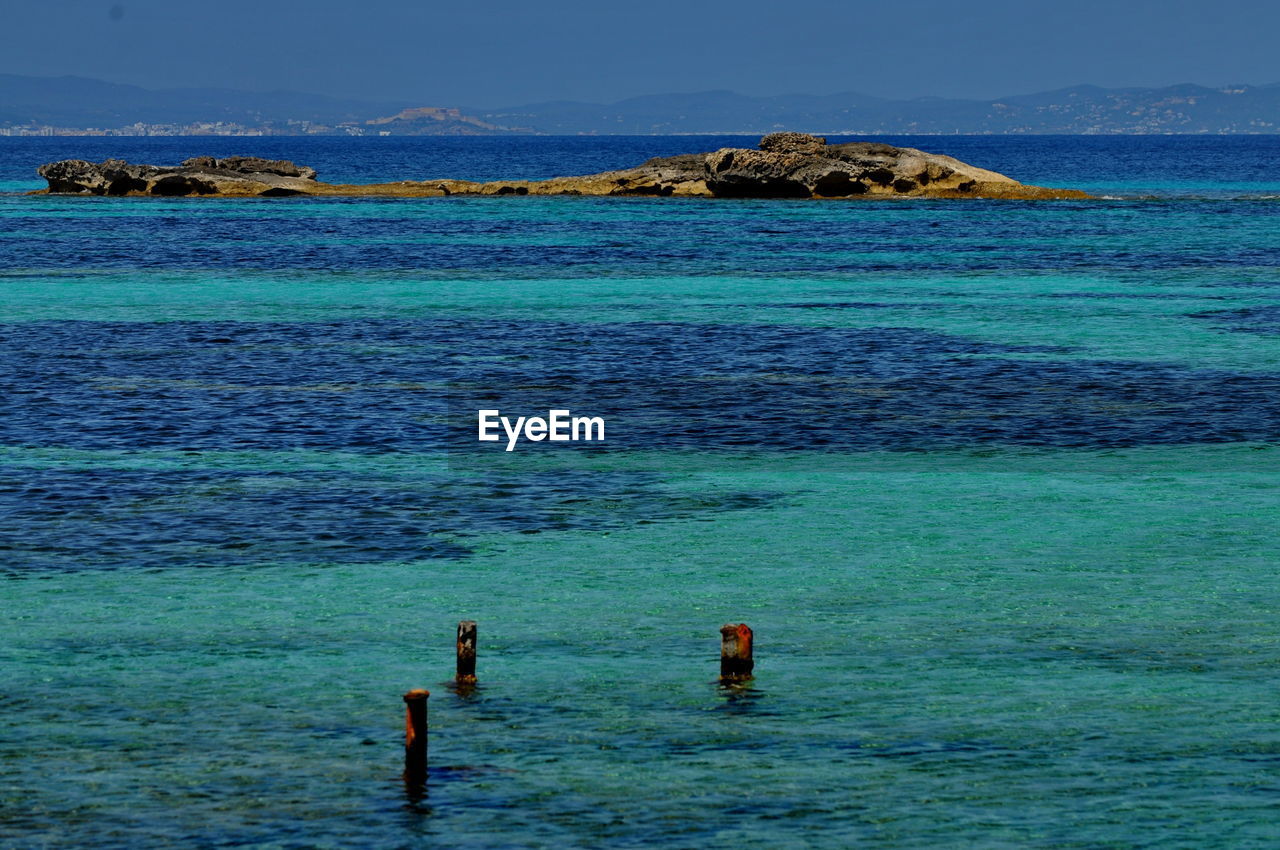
(415, 736)
(736, 662)
(466, 653)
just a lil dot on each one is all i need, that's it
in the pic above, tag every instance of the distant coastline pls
(72, 106)
(258, 132)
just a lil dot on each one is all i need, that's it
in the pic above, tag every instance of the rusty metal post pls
(736, 662)
(415, 736)
(466, 652)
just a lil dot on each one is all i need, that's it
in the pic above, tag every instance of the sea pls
(995, 483)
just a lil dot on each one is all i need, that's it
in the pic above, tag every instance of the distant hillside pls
(80, 102)
(74, 102)
(434, 121)
(1079, 110)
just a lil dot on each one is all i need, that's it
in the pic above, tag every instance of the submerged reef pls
(786, 165)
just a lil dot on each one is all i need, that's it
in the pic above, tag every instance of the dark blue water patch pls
(620, 237)
(1134, 296)
(104, 518)
(786, 388)
(380, 386)
(1252, 320)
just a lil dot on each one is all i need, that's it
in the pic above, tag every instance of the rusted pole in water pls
(466, 652)
(415, 736)
(736, 662)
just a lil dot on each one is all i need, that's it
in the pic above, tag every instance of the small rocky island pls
(786, 165)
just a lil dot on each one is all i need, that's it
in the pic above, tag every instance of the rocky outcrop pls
(786, 165)
(251, 165)
(793, 143)
(201, 175)
(793, 169)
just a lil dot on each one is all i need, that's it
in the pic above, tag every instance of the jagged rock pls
(112, 177)
(792, 143)
(787, 165)
(202, 175)
(802, 167)
(250, 165)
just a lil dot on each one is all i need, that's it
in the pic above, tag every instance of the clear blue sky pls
(499, 52)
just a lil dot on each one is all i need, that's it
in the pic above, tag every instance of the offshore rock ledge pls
(787, 165)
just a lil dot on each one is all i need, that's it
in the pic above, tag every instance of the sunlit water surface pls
(995, 483)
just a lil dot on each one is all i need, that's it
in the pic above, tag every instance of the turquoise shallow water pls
(994, 483)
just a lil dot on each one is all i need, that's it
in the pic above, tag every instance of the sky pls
(502, 53)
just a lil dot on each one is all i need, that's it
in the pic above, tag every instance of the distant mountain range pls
(65, 104)
(80, 102)
(1078, 110)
